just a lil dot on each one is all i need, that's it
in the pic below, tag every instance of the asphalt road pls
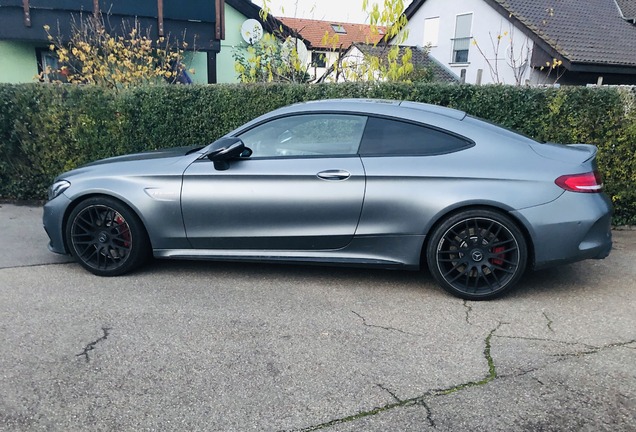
(218, 346)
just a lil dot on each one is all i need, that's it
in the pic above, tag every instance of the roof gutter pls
(596, 68)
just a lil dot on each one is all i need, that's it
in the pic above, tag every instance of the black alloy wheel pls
(477, 254)
(106, 237)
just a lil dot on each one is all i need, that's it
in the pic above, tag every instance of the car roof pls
(380, 107)
(376, 106)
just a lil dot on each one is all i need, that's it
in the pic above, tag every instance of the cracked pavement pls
(218, 346)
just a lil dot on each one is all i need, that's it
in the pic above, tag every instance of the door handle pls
(334, 175)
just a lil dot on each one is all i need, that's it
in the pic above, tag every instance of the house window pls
(48, 65)
(461, 41)
(318, 59)
(338, 28)
(431, 31)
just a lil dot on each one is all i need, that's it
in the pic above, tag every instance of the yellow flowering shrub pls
(130, 57)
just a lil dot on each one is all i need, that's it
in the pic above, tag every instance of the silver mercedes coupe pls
(355, 182)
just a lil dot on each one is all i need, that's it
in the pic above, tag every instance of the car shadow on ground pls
(557, 280)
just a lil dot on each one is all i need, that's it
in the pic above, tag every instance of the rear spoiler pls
(592, 149)
(578, 153)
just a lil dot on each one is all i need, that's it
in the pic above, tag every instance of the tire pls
(106, 237)
(477, 254)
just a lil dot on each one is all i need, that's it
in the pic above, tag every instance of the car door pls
(302, 188)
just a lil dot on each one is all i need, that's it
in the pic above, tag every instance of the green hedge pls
(47, 129)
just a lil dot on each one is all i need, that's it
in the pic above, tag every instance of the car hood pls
(147, 163)
(155, 154)
(573, 153)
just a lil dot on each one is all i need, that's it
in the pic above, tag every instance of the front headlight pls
(57, 188)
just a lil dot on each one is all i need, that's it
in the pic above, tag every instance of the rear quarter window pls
(388, 137)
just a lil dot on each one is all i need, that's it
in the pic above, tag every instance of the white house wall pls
(487, 24)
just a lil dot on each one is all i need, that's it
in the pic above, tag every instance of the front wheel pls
(106, 237)
(477, 254)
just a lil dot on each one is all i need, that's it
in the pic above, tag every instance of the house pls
(212, 29)
(529, 42)
(24, 46)
(426, 67)
(324, 51)
(236, 13)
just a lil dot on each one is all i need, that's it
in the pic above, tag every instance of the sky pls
(328, 10)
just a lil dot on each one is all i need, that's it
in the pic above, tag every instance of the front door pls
(302, 189)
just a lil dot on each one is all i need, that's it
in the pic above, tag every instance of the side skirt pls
(401, 252)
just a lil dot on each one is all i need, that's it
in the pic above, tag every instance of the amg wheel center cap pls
(477, 255)
(102, 237)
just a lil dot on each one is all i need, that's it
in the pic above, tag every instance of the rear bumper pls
(572, 228)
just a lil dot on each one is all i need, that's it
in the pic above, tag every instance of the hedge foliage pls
(48, 129)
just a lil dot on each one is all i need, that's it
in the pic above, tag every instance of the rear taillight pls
(590, 182)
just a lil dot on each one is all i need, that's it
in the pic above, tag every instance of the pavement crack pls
(419, 400)
(91, 346)
(549, 321)
(547, 340)
(429, 413)
(492, 369)
(595, 350)
(469, 309)
(364, 323)
(491, 375)
(397, 399)
(363, 414)
(562, 357)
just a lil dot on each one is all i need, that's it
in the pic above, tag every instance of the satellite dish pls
(251, 31)
(301, 49)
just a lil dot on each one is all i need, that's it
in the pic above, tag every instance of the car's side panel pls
(151, 188)
(270, 204)
(155, 199)
(406, 195)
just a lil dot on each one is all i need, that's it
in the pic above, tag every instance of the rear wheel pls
(106, 237)
(477, 254)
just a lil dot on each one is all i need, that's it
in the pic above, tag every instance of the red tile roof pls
(313, 32)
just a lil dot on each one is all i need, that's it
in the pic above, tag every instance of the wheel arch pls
(81, 198)
(496, 207)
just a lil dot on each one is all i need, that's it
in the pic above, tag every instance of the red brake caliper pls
(499, 260)
(126, 235)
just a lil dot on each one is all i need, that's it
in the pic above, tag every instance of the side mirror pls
(224, 149)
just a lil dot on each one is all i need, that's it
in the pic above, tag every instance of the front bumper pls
(53, 221)
(574, 227)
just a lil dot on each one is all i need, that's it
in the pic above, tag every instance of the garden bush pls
(48, 129)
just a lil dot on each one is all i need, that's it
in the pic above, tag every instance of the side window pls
(306, 135)
(396, 138)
